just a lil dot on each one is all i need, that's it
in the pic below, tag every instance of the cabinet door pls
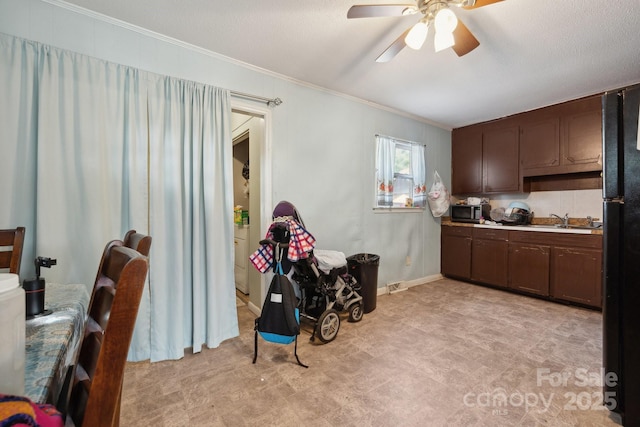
(582, 134)
(529, 268)
(489, 261)
(539, 144)
(576, 275)
(455, 255)
(500, 159)
(466, 160)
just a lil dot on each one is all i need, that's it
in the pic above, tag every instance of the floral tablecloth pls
(52, 340)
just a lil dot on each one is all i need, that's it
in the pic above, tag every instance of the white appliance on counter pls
(241, 249)
(12, 334)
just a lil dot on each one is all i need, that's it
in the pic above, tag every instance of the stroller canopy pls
(286, 209)
(300, 241)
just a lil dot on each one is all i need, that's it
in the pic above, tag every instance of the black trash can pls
(364, 267)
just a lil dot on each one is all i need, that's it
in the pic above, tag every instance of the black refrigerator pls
(621, 268)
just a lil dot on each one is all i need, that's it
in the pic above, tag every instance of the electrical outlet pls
(408, 261)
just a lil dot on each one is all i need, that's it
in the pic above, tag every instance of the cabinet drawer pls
(490, 234)
(593, 241)
(454, 230)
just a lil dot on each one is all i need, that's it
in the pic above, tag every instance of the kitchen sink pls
(585, 227)
(596, 226)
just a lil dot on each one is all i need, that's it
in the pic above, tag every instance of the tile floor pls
(445, 353)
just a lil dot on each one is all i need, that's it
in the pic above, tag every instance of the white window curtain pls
(418, 170)
(193, 294)
(410, 183)
(384, 174)
(75, 148)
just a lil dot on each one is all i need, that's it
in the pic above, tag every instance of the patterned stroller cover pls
(287, 227)
(325, 287)
(279, 321)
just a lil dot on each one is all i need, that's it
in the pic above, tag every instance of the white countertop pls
(544, 228)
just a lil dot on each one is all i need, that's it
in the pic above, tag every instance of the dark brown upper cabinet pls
(582, 134)
(539, 141)
(484, 159)
(466, 160)
(562, 139)
(500, 155)
(552, 148)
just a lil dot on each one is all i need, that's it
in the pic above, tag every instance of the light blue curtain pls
(76, 140)
(191, 208)
(92, 170)
(78, 155)
(385, 152)
(418, 169)
(18, 136)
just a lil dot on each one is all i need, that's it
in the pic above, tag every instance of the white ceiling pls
(532, 53)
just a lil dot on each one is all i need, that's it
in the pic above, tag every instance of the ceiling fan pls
(450, 31)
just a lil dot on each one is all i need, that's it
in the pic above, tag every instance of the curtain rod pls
(268, 101)
(401, 140)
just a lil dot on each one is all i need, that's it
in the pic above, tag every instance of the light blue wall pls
(322, 143)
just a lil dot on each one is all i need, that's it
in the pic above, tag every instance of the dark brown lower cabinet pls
(557, 266)
(455, 253)
(529, 268)
(489, 256)
(576, 275)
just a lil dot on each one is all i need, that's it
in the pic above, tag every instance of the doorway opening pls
(251, 194)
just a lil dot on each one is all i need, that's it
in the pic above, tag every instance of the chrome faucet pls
(565, 219)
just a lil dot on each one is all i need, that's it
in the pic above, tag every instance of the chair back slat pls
(95, 397)
(11, 243)
(139, 242)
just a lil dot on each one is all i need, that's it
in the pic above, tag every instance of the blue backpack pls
(279, 321)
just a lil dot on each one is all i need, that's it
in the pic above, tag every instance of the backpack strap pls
(295, 353)
(255, 340)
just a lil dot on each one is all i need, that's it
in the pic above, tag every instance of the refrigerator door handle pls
(638, 133)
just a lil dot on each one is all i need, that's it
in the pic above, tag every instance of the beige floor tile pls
(445, 353)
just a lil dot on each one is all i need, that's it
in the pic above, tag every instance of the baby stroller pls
(326, 288)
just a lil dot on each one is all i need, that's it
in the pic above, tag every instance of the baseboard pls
(411, 283)
(253, 308)
(380, 291)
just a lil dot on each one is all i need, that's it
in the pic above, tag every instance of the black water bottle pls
(34, 288)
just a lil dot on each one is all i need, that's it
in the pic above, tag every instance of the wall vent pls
(394, 287)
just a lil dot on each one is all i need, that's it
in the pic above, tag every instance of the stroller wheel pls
(356, 311)
(328, 326)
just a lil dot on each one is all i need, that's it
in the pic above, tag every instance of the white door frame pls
(266, 194)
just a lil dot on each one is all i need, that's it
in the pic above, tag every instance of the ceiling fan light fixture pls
(445, 21)
(411, 10)
(443, 40)
(418, 34)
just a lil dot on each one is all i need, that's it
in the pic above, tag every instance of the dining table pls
(52, 340)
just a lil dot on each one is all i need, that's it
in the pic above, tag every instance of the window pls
(400, 173)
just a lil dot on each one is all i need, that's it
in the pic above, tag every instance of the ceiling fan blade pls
(394, 48)
(480, 3)
(465, 42)
(379, 10)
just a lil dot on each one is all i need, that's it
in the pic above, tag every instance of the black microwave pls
(470, 213)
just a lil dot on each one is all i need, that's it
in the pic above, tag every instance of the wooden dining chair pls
(10, 257)
(139, 242)
(95, 395)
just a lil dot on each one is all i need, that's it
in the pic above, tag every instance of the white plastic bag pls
(438, 196)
